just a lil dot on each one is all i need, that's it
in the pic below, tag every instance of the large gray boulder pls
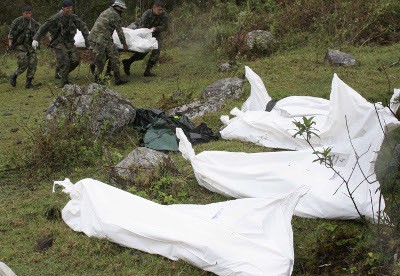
(260, 41)
(213, 98)
(106, 109)
(228, 88)
(142, 166)
(338, 58)
(197, 108)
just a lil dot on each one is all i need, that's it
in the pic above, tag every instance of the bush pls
(222, 26)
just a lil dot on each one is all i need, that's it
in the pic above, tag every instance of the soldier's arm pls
(83, 28)
(120, 32)
(164, 25)
(43, 29)
(145, 20)
(11, 34)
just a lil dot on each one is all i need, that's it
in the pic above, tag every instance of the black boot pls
(57, 74)
(28, 83)
(108, 70)
(147, 72)
(63, 83)
(13, 80)
(127, 66)
(118, 80)
(92, 68)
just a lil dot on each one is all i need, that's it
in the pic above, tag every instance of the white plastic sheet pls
(275, 129)
(138, 40)
(238, 237)
(242, 175)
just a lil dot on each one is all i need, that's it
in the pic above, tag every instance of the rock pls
(226, 66)
(107, 109)
(229, 88)
(197, 108)
(260, 41)
(5, 114)
(5, 270)
(338, 58)
(15, 129)
(43, 244)
(142, 166)
(213, 98)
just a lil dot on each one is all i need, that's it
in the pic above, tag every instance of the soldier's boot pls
(147, 72)
(92, 68)
(28, 83)
(127, 66)
(13, 80)
(108, 70)
(57, 74)
(118, 80)
(64, 82)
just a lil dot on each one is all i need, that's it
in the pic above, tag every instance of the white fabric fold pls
(237, 237)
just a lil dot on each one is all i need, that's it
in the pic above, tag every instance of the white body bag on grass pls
(242, 175)
(271, 174)
(238, 237)
(138, 40)
(275, 129)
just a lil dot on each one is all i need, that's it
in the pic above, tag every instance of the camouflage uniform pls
(21, 33)
(150, 20)
(63, 29)
(102, 43)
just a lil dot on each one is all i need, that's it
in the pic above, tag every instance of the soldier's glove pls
(87, 44)
(35, 44)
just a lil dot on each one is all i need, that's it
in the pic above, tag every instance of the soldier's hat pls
(119, 3)
(67, 3)
(159, 3)
(26, 8)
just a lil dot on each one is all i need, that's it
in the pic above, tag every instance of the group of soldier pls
(61, 28)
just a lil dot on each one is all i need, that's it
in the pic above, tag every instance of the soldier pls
(62, 26)
(102, 43)
(20, 37)
(155, 19)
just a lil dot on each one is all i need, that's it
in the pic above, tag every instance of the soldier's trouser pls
(67, 59)
(26, 60)
(102, 52)
(154, 55)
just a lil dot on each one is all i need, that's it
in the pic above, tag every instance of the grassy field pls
(25, 202)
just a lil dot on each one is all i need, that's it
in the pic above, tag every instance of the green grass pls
(24, 202)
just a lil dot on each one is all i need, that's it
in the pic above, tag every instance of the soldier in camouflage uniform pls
(63, 26)
(20, 37)
(155, 19)
(102, 43)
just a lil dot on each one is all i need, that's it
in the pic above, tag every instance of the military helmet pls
(119, 3)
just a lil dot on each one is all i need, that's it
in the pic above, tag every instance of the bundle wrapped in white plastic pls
(138, 40)
(238, 237)
(347, 114)
(271, 174)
